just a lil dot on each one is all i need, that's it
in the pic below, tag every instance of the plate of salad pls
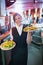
(8, 45)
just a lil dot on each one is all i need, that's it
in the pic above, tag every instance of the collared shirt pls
(19, 29)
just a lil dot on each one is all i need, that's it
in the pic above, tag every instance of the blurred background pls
(29, 9)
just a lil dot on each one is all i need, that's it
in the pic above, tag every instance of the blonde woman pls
(19, 53)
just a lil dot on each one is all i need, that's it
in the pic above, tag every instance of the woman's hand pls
(11, 38)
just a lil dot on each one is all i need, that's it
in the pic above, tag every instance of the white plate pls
(26, 29)
(7, 48)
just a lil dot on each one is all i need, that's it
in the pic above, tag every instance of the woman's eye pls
(17, 19)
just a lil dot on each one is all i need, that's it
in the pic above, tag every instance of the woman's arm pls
(11, 36)
(29, 37)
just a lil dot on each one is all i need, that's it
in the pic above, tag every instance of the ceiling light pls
(36, 1)
(11, 0)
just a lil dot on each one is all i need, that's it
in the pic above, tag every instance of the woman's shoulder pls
(13, 28)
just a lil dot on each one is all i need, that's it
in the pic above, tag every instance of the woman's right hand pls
(11, 36)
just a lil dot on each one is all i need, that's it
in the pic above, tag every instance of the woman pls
(35, 47)
(19, 53)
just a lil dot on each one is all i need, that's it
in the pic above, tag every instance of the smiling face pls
(17, 19)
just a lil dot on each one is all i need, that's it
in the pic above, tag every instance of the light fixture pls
(12, 0)
(35, 1)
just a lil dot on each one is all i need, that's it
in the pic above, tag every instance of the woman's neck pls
(19, 24)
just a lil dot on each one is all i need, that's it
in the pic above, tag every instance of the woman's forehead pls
(18, 16)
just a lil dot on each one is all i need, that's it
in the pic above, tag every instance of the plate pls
(31, 28)
(7, 45)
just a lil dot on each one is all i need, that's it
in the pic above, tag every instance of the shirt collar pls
(19, 28)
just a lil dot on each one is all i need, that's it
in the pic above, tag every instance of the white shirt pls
(19, 29)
